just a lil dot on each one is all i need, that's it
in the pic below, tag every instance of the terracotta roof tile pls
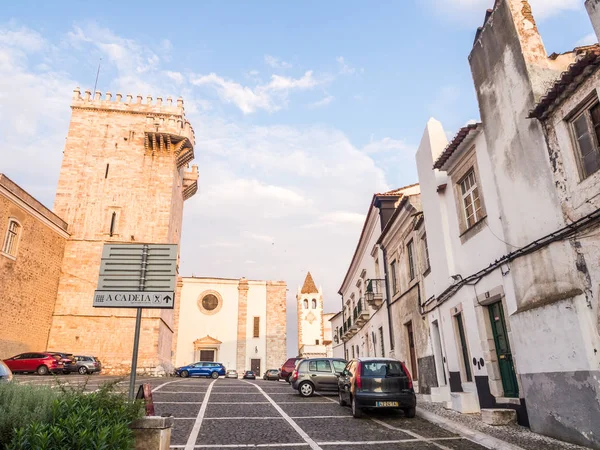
(309, 285)
(587, 62)
(454, 144)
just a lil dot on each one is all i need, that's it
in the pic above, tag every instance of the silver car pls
(87, 364)
(231, 374)
(5, 373)
(317, 374)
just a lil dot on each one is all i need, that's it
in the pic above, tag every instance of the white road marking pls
(239, 403)
(398, 441)
(313, 445)
(164, 384)
(410, 433)
(183, 392)
(299, 444)
(325, 397)
(178, 403)
(191, 442)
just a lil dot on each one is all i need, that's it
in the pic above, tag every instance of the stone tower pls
(123, 180)
(310, 315)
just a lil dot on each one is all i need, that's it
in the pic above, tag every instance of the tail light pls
(358, 378)
(295, 375)
(410, 382)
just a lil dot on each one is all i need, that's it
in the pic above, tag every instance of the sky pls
(301, 110)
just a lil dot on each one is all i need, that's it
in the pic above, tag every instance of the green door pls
(507, 369)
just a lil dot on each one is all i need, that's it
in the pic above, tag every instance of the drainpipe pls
(387, 298)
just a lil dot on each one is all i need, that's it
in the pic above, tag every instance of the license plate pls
(387, 404)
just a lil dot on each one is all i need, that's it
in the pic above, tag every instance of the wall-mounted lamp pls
(255, 349)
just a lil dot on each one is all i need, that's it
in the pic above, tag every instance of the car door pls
(31, 361)
(344, 384)
(196, 369)
(16, 363)
(321, 374)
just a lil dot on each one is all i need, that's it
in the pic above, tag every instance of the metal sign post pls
(137, 276)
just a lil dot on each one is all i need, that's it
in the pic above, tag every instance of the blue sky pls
(301, 109)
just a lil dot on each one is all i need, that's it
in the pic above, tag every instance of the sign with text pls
(131, 299)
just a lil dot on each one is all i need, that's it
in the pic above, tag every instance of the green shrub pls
(86, 421)
(22, 404)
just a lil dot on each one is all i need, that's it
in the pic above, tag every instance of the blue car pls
(201, 369)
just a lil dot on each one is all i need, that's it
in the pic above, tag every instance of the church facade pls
(312, 339)
(238, 322)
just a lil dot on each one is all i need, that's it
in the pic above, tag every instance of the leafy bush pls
(78, 420)
(22, 404)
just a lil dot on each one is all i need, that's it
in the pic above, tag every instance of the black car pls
(271, 374)
(377, 383)
(249, 375)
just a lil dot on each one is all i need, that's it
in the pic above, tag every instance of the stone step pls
(498, 416)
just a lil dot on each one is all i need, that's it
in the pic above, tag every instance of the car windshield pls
(382, 369)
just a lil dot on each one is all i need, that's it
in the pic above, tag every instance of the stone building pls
(32, 240)
(123, 180)
(237, 322)
(311, 326)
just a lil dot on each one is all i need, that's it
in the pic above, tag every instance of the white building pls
(311, 326)
(240, 323)
(338, 345)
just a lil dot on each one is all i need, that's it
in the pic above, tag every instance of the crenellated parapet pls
(190, 182)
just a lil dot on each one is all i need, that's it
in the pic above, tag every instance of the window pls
(257, 327)
(411, 260)
(470, 198)
(305, 304)
(382, 347)
(339, 366)
(357, 351)
(394, 279)
(210, 302)
(319, 365)
(426, 263)
(316, 342)
(353, 354)
(11, 241)
(314, 303)
(586, 131)
(374, 340)
(113, 220)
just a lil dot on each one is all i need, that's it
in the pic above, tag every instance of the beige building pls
(311, 327)
(123, 180)
(237, 322)
(32, 240)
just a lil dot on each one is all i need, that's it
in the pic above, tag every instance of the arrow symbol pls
(167, 299)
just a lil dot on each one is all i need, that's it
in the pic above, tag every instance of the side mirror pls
(338, 374)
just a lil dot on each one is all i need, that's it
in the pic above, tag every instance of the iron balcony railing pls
(375, 290)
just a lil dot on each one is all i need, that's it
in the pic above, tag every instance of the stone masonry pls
(276, 323)
(123, 180)
(28, 280)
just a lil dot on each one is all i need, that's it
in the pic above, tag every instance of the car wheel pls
(214, 375)
(185, 374)
(306, 389)
(42, 370)
(356, 411)
(341, 399)
(82, 370)
(410, 412)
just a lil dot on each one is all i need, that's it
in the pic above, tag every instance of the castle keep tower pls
(122, 180)
(310, 318)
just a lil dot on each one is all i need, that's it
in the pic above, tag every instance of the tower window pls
(113, 220)
(314, 303)
(305, 304)
(257, 327)
(11, 241)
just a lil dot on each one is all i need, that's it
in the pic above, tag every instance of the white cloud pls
(588, 39)
(177, 77)
(323, 102)
(270, 97)
(277, 63)
(385, 145)
(346, 69)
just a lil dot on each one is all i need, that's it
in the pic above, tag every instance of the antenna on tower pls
(97, 73)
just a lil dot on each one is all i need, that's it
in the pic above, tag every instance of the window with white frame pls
(586, 132)
(470, 199)
(394, 279)
(411, 260)
(426, 263)
(11, 241)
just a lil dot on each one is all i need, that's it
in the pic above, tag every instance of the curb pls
(476, 436)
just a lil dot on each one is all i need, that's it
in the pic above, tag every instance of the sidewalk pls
(510, 437)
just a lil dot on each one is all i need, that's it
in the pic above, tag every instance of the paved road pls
(228, 413)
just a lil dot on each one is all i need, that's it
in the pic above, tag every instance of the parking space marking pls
(287, 444)
(191, 442)
(182, 392)
(410, 433)
(313, 445)
(239, 403)
(399, 441)
(243, 418)
(178, 403)
(164, 384)
(327, 398)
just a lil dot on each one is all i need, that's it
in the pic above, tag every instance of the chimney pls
(593, 10)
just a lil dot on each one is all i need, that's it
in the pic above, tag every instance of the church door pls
(255, 366)
(207, 355)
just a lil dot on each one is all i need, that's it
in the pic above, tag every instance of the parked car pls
(377, 383)
(40, 363)
(285, 373)
(68, 361)
(5, 373)
(85, 364)
(249, 375)
(201, 369)
(317, 374)
(231, 374)
(271, 374)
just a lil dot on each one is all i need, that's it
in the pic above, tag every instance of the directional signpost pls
(137, 276)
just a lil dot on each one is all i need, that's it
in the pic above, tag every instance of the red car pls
(288, 367)
(40, 363)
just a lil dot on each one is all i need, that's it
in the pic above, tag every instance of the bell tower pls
(309, 301)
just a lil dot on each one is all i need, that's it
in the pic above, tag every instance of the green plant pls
(96, 421)
(21, 404)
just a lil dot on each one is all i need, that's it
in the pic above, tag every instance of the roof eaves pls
(458, 139)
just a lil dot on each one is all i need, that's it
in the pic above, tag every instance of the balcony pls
(361, 312)
(374, 292)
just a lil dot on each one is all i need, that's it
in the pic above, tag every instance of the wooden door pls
(505, 362)
(255, 366)
(207, 355)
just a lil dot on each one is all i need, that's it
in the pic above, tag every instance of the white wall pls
(256, 348)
